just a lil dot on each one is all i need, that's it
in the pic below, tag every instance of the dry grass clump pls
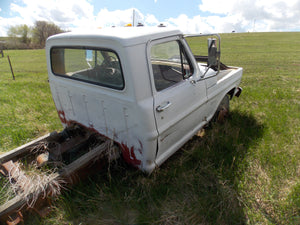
(33, 184)
(6, 192)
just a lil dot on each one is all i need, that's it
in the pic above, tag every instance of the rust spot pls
(15, 218)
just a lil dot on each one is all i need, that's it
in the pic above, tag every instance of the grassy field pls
(26, 106)
(244, 171)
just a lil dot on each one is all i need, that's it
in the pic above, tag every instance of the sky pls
(190, 16)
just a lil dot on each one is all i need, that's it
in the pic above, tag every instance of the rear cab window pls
(97, 66)
(170, 64)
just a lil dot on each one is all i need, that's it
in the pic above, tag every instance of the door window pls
(169, 64)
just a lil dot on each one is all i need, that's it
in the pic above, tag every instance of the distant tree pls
(42, 30)
(20, 32)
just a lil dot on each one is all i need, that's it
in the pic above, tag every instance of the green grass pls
(244, 171)
(26, 106)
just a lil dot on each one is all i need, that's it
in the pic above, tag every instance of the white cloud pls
(209, 24)
(266, 15)
(214, 16)
(151, 20)
(71, 15)
(189, 25)
(66, 14)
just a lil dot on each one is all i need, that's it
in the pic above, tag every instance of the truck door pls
(179, 101)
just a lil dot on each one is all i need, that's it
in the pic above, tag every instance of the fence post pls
(11, 69)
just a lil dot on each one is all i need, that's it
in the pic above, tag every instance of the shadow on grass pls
(210, 167)
(197, 185)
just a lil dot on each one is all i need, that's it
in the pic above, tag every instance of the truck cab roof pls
(126, 36)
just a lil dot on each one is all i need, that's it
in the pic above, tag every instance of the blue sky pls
(191, 16)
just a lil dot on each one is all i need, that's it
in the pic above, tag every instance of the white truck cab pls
(141, 87)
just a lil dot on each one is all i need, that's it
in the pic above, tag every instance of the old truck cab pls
(141, 87)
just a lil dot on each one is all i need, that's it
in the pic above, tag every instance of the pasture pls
(244, 171)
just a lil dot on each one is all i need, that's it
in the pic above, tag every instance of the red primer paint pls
(129, 156)
(62, 116)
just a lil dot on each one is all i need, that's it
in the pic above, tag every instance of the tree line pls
(23, 36)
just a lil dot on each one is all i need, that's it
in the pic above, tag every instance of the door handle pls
(161, 108)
